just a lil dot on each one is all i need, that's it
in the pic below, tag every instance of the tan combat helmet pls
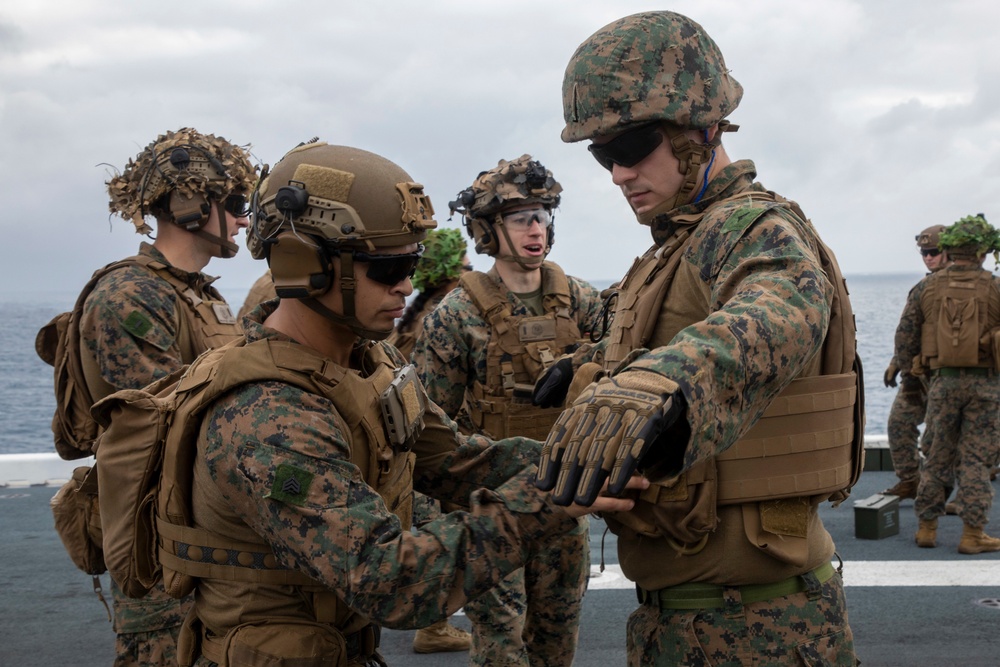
(322, 201)
(930, 237)
(178, 178)
(513, 183)
(657, 68)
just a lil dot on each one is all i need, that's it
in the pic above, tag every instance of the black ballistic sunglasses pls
(389, 269)
(930, 252)
(237, 205)
(628, 148)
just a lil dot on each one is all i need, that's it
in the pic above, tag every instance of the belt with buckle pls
(710, 596)
(954, 372)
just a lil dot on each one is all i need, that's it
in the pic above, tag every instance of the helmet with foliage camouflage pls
(652, 66)
(322, 201)
(514, 183)
(929, 238)
(444, 250)
(178, 177)
(970, 237)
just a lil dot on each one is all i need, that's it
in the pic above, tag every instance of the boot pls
(927, 534)
(904, 488)
(975, 541)
(441, 637)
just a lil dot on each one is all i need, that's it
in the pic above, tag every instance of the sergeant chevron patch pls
(291, 485)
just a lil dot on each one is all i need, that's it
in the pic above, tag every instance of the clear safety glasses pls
(522, 220)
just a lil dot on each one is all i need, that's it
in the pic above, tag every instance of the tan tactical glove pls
(612, 430)
(889, 378)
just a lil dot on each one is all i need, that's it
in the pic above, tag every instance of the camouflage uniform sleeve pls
(337, 529)
(769, 310)
(129, 325)
(907, 339)
(450, 352)
(587, 305)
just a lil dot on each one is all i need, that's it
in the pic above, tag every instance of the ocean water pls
(27, 400)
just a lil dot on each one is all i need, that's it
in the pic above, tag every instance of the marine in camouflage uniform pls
(963, 401)
(910, 405)
(534, 617)
(320, 475)
(149, 318)
(733, 316)
(441, 265)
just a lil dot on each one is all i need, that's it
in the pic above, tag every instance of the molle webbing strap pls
(201, 554)
(802, 446)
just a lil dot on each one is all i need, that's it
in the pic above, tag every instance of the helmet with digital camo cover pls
(322, 201)
(655, 68)
(509, 184)
(178, 178)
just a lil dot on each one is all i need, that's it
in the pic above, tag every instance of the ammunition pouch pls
(500, 417)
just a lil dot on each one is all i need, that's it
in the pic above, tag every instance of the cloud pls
(879, 118)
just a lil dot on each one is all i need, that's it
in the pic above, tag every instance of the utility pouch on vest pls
(78, 520)
(278, 644)
(403, 409)
(682, 509)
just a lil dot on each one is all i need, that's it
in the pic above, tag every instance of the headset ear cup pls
(487, 243)
(300, 267)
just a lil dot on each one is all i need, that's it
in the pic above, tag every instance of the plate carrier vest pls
(810, 440)
(186, 553)
(520, 349)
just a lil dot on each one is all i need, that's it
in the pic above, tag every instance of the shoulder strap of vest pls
(555, 289)
(486, 295)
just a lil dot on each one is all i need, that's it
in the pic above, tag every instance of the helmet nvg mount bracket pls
(511, 183)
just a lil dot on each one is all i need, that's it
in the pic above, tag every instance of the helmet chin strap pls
(690, 157)
(227, 248)
(523, 262)
(347, 284)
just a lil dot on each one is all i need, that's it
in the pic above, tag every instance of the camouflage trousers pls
(905, 415)
(147, 628)
(533, 616)
(963, 417)
(807, 628)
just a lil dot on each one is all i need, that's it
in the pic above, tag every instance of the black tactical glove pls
(550, 390)
(611, 430)
(889, 378)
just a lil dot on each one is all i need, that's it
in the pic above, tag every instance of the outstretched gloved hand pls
(610, 431)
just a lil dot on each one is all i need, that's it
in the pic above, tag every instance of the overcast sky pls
(879, 117)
